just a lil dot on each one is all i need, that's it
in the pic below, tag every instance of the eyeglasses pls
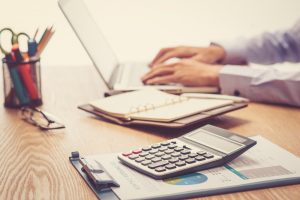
(41, 119)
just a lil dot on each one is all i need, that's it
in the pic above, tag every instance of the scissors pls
(15, 38)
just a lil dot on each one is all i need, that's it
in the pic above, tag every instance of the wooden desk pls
(34, 164)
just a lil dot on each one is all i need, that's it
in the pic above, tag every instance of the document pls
(264, 165)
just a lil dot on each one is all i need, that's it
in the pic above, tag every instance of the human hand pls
(187, 72)
(211, 55)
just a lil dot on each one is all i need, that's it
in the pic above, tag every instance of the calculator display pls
(214, 141)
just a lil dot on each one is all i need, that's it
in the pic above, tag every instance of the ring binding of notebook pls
(180, 123)
(156, 108)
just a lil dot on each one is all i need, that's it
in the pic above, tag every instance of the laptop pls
(117, 76)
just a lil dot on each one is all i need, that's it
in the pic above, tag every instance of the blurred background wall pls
(137, 29)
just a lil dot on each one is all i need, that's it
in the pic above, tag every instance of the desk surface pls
(34, 164)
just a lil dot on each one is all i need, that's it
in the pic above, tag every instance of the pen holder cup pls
(22, 83)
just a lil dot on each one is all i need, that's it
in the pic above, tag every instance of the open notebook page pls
(125, 103)
(154, 105)
(181, 109)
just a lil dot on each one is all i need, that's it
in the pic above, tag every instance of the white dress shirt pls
(265, 84)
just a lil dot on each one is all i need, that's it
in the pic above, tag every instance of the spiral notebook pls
(154, 105)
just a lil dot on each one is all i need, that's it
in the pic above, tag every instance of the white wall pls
(138, 28)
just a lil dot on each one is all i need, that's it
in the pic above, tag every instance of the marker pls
(17, 53)
(17, 83)
(24, 71)
(32, 47)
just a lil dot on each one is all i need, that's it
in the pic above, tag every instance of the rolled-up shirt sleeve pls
(268, 85)
(267, 48)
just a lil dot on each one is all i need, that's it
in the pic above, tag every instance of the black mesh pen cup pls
(22, 83)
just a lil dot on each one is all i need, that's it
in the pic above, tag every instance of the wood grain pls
(34, 164)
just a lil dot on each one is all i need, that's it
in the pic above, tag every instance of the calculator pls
(203, 148)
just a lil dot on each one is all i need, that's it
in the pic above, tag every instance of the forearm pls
(262, 85)
(267, 48)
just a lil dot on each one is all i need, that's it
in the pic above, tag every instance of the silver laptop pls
(117, 76)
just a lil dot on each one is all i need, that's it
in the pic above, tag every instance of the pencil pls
(44, 42)
(36, 32)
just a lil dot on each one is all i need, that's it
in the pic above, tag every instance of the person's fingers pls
(161, 71)
(176, 53)
(160, 53)
(158, 67)
(162, 79)
(204, 58)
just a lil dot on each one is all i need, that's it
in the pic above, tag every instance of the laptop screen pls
(90, 37)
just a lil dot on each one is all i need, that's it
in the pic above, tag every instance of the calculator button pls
(153, 151)
(155, 146)
(146, 162)
(137, 151)
(208, 155)
(180, 163)
(173, 142)
(139, 159)
(156, 159)
(178, 149)
(152, 166)
(175, 154)
(144, 153)
(166, 143)
(192, 155)
(169, 151)
(149, 157)
(186, 147)
(185, 151)
(133, 156)
(163, 148)
(166, 157)
(146, 148)
(200, 158)
(173, 160)
(127, 154)
(172, 146)
(170, 166)
(160, 154)
(201, 152)
(158, 164)
(160, 169)
(190, 160)
(183, 157)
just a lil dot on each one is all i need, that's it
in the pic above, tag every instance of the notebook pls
(154, 105)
